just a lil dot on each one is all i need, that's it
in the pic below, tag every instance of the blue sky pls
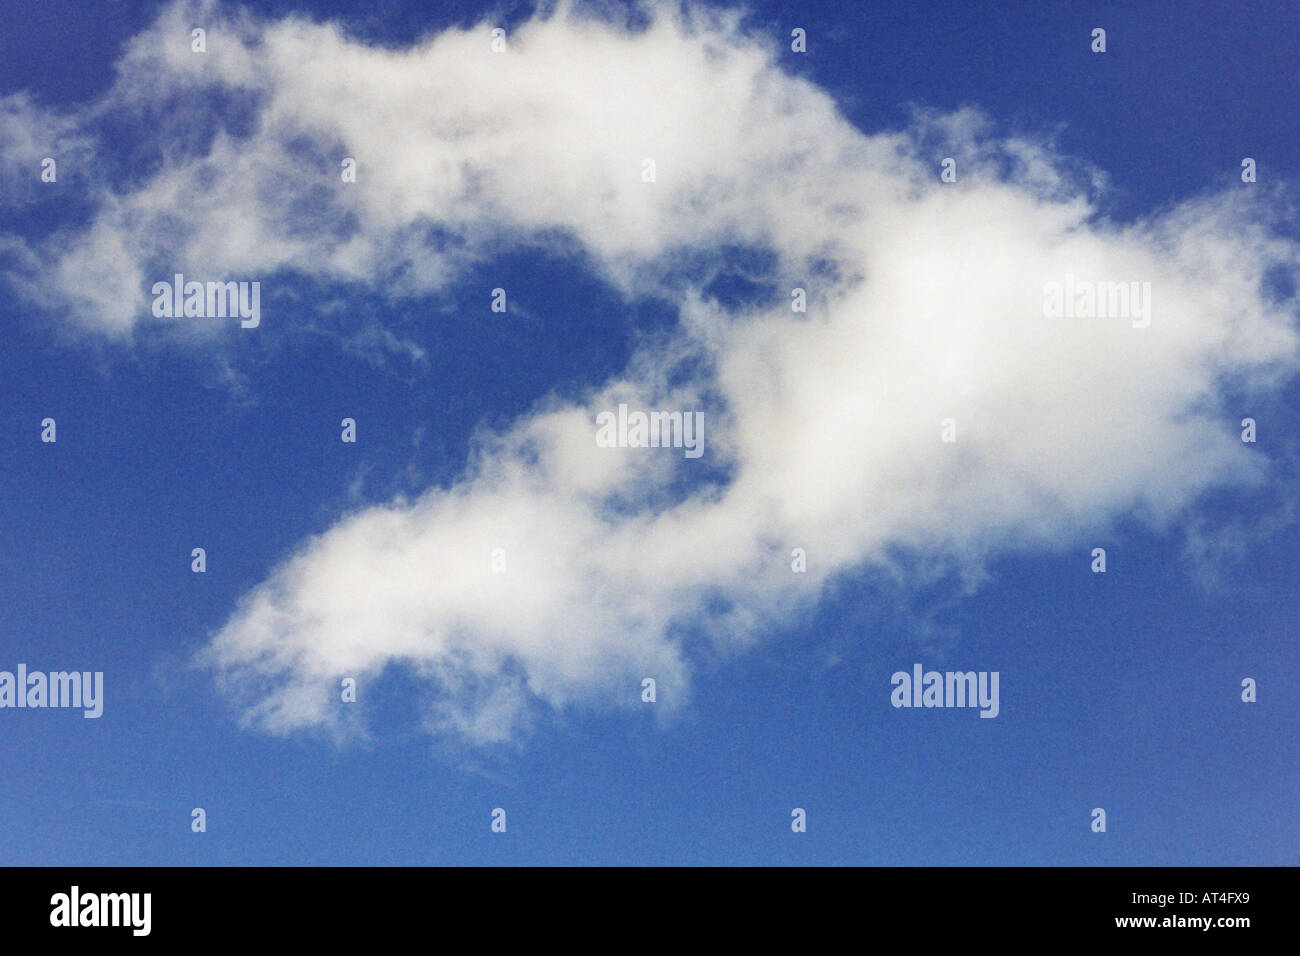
(1118, 690)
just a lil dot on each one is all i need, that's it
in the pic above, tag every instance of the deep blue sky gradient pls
(1117, 690)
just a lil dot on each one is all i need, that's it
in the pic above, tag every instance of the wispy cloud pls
(824, 427)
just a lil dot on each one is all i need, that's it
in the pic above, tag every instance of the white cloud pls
(928, 306)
